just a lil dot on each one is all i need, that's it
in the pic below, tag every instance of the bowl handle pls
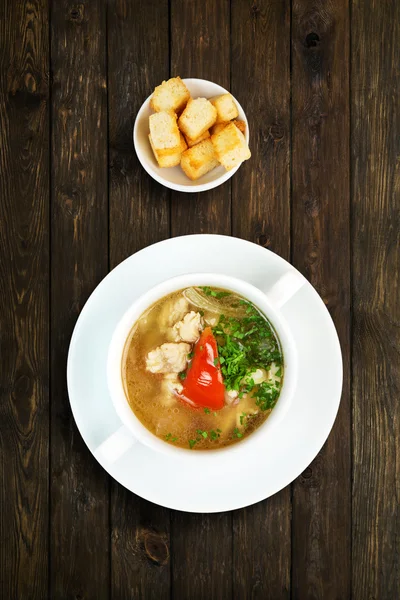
(115, 446)
(285, 288)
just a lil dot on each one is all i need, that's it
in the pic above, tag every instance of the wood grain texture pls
(138, 60)
(200, 47)
(321, 540)
(261, 82)
(24, 277)
(261, 213)
(375, 153)
(201, 544)
(79, 552)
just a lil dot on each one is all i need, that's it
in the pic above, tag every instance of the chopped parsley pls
(236, 433)
(190, 355)
(210, 292)
(216, 361)
(182, 375)
(170, 438)
(242, 417)
(207, 411)
(204, 434)
(266, 395)
(212, 435)
(245, 344)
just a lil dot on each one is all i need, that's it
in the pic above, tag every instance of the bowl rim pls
(121, 336)
(190, 188)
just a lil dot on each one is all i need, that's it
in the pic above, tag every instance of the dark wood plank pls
(321, 540)
(138, 59)
(375, 152)
(24, 276)
(79, 549)
(200, 47)
(261, 214)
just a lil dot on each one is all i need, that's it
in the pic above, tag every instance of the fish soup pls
(202, 368)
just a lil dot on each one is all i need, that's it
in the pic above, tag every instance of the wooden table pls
(320, 82)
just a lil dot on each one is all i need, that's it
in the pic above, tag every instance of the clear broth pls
(166, 415)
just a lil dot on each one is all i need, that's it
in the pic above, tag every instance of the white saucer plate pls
(229, 482)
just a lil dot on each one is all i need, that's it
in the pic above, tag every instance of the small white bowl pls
(173, 177)
(269, 301)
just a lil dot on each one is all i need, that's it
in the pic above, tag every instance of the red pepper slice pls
(204, 385)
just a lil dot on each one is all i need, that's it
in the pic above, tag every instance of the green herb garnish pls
(169, 438)
(210, 292)
(204, 434)
(190, 355)
(216, 361)
(266, 395)
(207, 411)
(236, 433)
(182, 375)
(242, 417)
(192, 443)
(244, 345)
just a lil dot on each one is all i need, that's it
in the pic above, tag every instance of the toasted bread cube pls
(170, 95)
(198, 116)
(230, 146)
(218, 127)
(191, 142)
(199, 160)
(165, 158)
(226, 108)
(164, 131)
(241, 125)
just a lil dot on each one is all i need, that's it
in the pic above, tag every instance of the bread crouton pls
(164, 158)
(164, 131)
(230, 146)
(218, 127)
(191, 142)
(241, 125)
(199, 160)
(226, 107)
(198, 116)
(170, 95)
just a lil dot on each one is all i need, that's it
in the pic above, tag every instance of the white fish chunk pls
(168, 358)
(188, 329)
(231, 397)
(258, 376)
(172, 384)
(173, 311)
